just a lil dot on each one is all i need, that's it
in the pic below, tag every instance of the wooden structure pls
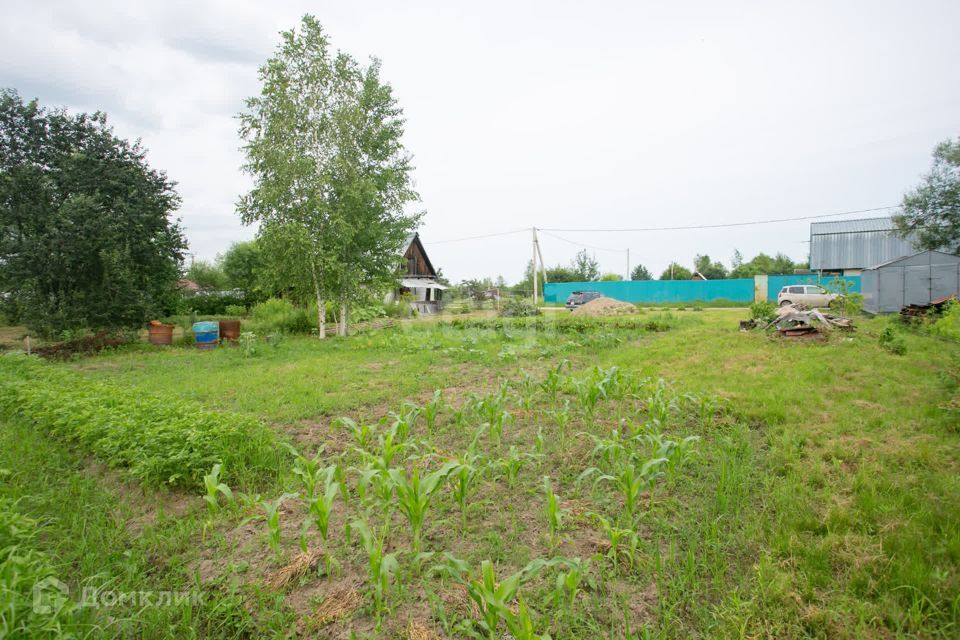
(419, 279)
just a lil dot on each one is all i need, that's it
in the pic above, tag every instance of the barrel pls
(206, 334)
(230, 330)
(160, 334)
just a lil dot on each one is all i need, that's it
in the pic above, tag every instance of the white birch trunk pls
(321, 306)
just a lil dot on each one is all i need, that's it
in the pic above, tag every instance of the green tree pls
(611, 277)
(561, 273)
(242, 265)
(207, 275)
(332, 178)
(932, 209)
(676, 271)
(762, 264)
(585, 267)
(709, 270)
(86, 235)
(640, 272)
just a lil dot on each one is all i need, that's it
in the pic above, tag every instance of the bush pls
(215, 303)
(235, 310)
(281, 316)
(763, 311)
(948, 324)
(893, 342)
(161, 440)
(519, 309)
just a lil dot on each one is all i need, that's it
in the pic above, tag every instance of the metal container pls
(230, 330)
(206, 334)
(160, 334)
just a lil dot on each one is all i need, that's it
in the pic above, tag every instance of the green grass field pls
(702, 482)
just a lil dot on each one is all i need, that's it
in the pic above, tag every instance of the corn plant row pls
(394, 471)
(162, 441)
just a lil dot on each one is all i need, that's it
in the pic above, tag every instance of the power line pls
(725, 224)
(487, 235)
(580, 244)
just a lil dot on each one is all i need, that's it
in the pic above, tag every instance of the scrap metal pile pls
(795, 320)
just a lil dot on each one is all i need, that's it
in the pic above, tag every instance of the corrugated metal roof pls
(852, 226)
(856, 244)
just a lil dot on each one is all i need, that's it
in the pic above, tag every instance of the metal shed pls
(917, 279)
(848, 246)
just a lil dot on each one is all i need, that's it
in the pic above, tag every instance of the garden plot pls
(641, 476)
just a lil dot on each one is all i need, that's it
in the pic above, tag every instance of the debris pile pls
(918, 311)
(795, 320)
(604, 307)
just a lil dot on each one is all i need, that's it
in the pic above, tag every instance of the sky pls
(559, 115)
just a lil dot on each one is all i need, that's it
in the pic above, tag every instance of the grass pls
(806, 488)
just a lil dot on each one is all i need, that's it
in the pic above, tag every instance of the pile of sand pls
(605, 307)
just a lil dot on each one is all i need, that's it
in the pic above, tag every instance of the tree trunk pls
(321, 306)
(344, 319)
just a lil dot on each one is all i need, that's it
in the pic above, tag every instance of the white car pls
(810, 295)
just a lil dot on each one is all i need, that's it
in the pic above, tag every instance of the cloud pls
(610, 115)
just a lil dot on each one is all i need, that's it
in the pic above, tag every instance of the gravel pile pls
(605, 307)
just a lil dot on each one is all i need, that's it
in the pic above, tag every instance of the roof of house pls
(861, 225)
(856, 244)
(415, 238)
(918, 258)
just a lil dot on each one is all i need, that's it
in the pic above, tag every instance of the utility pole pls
(533, 265)
(628, 264)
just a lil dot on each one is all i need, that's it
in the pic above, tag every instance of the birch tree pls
(332, 178)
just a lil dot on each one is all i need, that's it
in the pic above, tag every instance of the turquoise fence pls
(775, 283)
(657, 290)
(686, 291)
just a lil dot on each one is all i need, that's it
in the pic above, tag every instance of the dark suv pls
(578, 298)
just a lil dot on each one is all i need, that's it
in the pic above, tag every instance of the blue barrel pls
(206, 334)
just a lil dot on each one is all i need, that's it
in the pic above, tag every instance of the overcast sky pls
(559, 115)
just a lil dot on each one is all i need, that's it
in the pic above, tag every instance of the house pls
(847, 247)
(418, 278)
(188, 285)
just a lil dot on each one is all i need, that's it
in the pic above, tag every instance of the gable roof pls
(414, 238)
(917, 258)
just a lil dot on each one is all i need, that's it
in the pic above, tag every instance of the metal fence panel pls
(739, 291)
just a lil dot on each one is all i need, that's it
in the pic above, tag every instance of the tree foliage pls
(762, 264)
(675, 271)
(242, 265)
(708, 269)
(585, 266)
(640, 272)
(207, 275)
(86, 235)
(932, 209)
(332, 178)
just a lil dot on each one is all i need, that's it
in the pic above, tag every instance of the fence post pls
(759, 288)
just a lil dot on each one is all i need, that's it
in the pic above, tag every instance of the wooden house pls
(419, 279)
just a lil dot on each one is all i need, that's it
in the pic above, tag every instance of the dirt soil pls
(605, 307)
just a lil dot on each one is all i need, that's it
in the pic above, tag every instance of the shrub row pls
(162, 441)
